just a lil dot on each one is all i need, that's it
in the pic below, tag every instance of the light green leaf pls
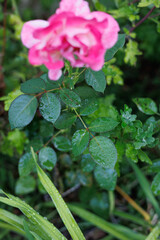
(96, 80)
(35, 85)
(103, 152)
(25, 165)
(25, 185)
(50, 107)
(103, 124)
(145, 3)
(47, 158)
(70, 98)
(146, 105)
(106, 177)
(80, 141)
(131, 52)
(22, 111)
(144, 157)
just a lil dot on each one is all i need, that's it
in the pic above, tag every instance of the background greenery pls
(131, 100)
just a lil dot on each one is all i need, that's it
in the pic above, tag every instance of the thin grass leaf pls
(59, 203)
(27, 231)
(145, 187)
(131, 218)
(155, 233)
(11, 228)
(38, 224)
(118, 231)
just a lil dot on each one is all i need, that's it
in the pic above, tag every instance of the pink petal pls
(29, 27)
(110, 33)
(34, 56)
(54, 74)
(78, 7)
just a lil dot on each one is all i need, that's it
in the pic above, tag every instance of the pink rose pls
(73, 33)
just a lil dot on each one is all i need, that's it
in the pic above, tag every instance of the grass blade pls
(155, 233)
(130, 217)
(145, 186)
(118, 231)
(59, 203)
(38, 224)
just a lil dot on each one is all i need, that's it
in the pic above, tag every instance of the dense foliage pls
(93, 135)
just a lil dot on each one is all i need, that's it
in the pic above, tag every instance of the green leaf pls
(25, 165)
(88, 106)
(59, 203)
(103, 151)
(119, 44)
(156, 185)
(106, 177)
(96, 80)
(87, 163)
(70, 98)
(35, 85)
(144, 157)
(146, 105)
(25, 185)
(103, 124)
(22, 111)
(131, 52)
(80, 141)
(63, 144)
(65, 120)
(47, 158)
(50, 84)
(145, 3)
(50, 107)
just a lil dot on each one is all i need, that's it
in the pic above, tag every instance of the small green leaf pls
(96, 80)
(103, 151)
(106, 177)
(144, 157)
(119, 44)
(87, 163)
(35, 85)
(47, 158)
(156, 185)
(65, 120)
(88, 106)
(22, 111)
(63, 144)
(103, 124)
(70, 98)
(25, 185)
(146, 105)
(80, 141)
(50, 107)
(25, 165)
